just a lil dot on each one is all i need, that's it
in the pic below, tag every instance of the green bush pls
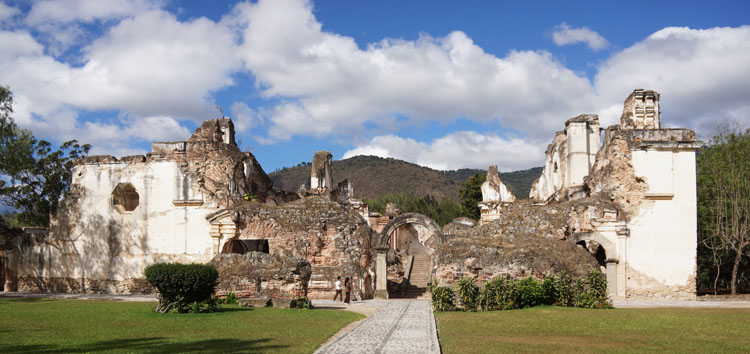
(468, 293)
(182, 287)
(530, 293)
(548, 286)
(302, 302)
(442, 298)
(490, 294)
(563, 292)
(231, 299)
(596, 290)
(500, 294)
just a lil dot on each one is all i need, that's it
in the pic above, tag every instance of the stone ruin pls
(625, 204)
(495, 195)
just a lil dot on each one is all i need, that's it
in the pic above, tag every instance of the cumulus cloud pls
(565, 35)
(331, 86)
(7, 12)
(701, 74)
(59, 21)
(147, 69)
(46, 11)
(244, 117)
(464, 149)
(148, 65)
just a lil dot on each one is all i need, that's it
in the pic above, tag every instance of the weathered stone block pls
(255, 302)
(282, 303)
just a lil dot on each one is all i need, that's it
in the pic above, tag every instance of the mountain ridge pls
(373, 176)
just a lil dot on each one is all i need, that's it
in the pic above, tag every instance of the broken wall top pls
(494, 190)
(641, 110)
(213, 160)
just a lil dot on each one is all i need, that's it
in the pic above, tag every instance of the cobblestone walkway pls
(399, 326)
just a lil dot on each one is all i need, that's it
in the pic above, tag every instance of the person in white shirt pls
(338, 290)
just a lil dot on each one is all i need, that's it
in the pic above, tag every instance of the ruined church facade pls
(640, 186)
(627, 198)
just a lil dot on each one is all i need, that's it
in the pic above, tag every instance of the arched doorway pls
(411, 239)
(605, 253)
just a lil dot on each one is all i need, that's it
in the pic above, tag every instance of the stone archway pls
(382, 245)
(611, 257)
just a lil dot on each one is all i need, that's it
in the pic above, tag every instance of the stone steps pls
(418, 279)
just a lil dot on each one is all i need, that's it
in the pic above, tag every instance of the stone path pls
(398, 326)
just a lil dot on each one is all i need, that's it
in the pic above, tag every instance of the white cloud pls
(565, 35)
(151, 68)
(464, 149)
(149, 65)
(58, 22)
(46, 11)
(332, 87)
(701, 74)
(7, 12)
(244, 117)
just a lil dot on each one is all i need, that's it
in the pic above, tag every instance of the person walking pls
(338, 289)
(347, 289)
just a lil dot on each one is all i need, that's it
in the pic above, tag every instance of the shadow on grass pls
(233, 309)
(153, 345)
(24, 299)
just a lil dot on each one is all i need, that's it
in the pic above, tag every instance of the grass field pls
(65, 326)
(559, 329)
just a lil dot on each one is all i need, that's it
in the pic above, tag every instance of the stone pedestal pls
(381, 275)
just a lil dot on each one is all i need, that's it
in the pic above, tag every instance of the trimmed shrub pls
(182, 287)
(468, 293)
(442, 298)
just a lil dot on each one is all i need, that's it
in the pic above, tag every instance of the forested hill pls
(374, 176)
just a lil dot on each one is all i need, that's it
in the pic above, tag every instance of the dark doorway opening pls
(245, 246)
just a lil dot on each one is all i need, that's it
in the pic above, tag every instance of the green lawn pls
(559, 329)
(65, 326)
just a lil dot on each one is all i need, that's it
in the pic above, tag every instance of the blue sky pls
(443, 84)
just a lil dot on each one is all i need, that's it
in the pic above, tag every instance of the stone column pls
(612, 278)
(381, 274)
(622, 242)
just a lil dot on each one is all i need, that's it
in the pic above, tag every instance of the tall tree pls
(471, 195)
(33, 176)
(723, 178)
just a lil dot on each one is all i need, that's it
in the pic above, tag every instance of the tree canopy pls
(723, 179)
(471, 195)
(33, 175)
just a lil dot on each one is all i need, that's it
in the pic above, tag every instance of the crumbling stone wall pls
(495, 195)
(321, 181)
(524, 241)
(255, 274)
(613, 175)
(334, 239)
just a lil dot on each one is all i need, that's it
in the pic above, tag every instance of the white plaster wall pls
(156, 230)
(663, 237)
(550, 180)
(578, 153)
(502, 194)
